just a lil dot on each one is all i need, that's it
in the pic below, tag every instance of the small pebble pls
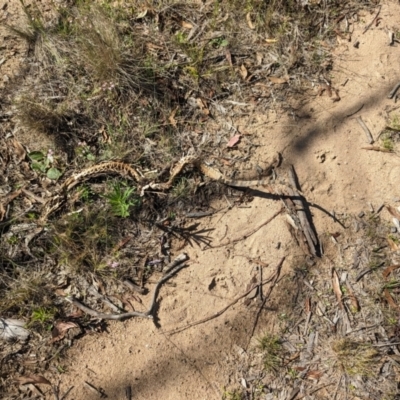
(361, 214)
(393, 230)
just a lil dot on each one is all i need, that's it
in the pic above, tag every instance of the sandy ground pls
(325, 145)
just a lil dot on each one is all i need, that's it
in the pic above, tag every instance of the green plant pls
(121, 200)
(83, 150)
(387, 143)
(271, 348)
(85, 193)
(181, 188)
(42, 315)
(395, 239)
(13, 239)
(43, 163)
(395, 122)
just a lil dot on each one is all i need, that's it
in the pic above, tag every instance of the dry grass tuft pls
(356, 358)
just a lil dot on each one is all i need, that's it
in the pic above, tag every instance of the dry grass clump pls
(272, 352)
(24, 289)
(356, 358)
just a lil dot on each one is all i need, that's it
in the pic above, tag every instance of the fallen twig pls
(391, 39)
(249, 233)
(133, 286)
(66, 393)
(377, 148)
(94, 389)
(315, 390)
(300, 208)
(368, 134)
(371, 23)
(394, 91)
(128, 393)
(176, 266)
(201, 214)
(355, 111)
(274, 280)
(217, 314)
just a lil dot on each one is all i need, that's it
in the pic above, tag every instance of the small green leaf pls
(36, 155)
(53, 173)
(90, 157)
(36, 166)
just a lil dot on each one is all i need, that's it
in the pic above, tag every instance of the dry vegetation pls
(144, 84)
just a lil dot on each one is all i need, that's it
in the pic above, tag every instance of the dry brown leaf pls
(172, 119)
(249, 21)
(2, 212)
(389, 299)
(202, 105)
(336, 287)
(277, 81)
(60, 329)
(226, 162)
(19, 151)
(233, 141)
(35, 379)
(393, 212)
(308, 305)
(142, 14)
(186, 25)
(228, 56)
(152, 46)
(353, 299)
(392, 244)
(76, 314)
(243, 72)
(387, 271)
(314, 374)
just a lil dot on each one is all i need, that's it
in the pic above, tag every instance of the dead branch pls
(300, 209)
(368, 134)
(266, 297)
(394, 91)
(176, 266)
(371, 23)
